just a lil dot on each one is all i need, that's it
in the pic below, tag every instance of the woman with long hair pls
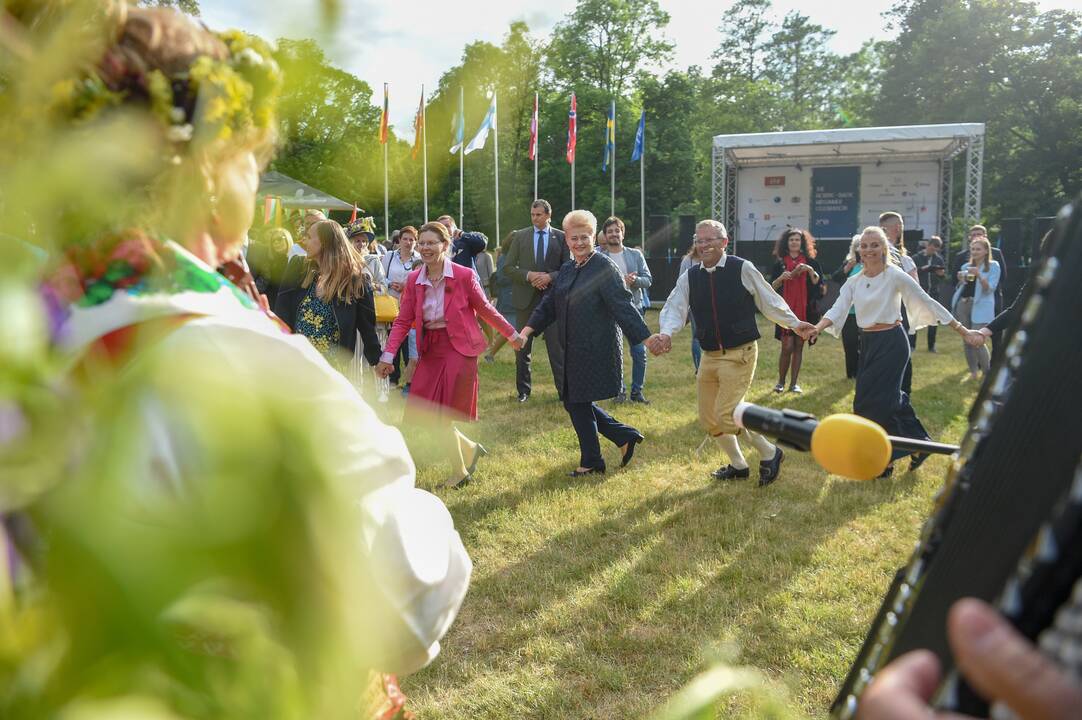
(442, 300)
(796, 276)
(974, 300)
(225, 495)
(332, 302)
(877, 293)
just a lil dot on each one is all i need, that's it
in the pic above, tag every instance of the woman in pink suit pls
(442, 300)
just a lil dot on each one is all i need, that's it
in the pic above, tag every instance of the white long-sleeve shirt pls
(878, 300)
(675, 313)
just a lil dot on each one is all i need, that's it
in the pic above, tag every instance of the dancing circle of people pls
(584, 290)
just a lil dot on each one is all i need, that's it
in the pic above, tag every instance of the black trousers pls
(931, 336)
(589, 420)
(907, 375)
(851, 345)
(879, 395)
(524, 357)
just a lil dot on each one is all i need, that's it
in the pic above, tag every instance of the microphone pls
(842, 444)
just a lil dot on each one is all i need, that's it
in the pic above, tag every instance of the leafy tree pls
(189, 6)
(804, 69)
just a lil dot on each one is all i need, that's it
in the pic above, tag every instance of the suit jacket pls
(463, 301)
(352, 317)
(521, 260)
(590, 305)
(636, 263)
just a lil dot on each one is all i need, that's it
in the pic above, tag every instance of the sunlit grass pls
(602, 597)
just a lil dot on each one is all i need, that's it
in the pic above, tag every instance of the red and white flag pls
(533, 130)
(572, 131)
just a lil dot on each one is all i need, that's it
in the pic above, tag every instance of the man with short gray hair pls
(722, 295)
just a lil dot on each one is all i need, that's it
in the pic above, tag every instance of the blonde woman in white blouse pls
(877, 293)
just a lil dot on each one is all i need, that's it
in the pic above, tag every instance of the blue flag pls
(640, 138)
(458, 129)
(610, 137)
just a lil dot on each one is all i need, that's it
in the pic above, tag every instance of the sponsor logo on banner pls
(774, 181)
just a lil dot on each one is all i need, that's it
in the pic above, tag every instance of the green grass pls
(601, 597)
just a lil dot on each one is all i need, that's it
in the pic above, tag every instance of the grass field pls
(601, 597)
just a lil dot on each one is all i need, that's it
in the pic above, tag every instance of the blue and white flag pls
(640, 138)
(489, 123)
(458, 127)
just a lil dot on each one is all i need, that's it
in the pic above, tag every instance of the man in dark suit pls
(533, 261)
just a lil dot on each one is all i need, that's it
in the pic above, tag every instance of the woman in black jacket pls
(587, 301)
(328, 298)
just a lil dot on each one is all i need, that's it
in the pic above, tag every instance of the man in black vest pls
(533, 261)
(722, 295)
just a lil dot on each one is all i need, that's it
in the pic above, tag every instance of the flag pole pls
(461, 153)
(612, 196)
(424, 147)
(496, 156)
(642, 189)
(537, 142)
(386, 203)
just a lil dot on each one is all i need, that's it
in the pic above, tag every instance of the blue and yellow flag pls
(610, 138)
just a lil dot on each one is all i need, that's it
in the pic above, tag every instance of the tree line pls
(1000, 62)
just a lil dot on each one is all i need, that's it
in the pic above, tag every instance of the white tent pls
(852, 146)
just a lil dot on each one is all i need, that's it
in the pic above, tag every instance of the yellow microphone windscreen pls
(851, 446)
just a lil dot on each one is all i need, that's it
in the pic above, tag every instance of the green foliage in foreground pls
(601, 598)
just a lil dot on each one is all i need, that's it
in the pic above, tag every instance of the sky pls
(408, 43)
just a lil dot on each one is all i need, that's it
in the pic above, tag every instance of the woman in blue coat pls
(588, 305)
(975, 299)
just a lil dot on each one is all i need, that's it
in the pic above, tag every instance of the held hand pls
(397, 286)
(786, 276)
(974, 338)
(541, 281)
(518, 342)
(525, 333)
(384, 370)
(805, 330)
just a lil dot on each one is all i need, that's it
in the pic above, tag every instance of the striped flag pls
(640, 138)
(458, 128)
(384, 119)
(419, 125)
(610, 138)
(572, 131)
(533, 130)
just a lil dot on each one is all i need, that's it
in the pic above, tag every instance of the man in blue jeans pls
(636, 274)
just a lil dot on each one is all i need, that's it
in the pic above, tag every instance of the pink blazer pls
(463, 301)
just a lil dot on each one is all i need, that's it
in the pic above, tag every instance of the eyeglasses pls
(706, 241)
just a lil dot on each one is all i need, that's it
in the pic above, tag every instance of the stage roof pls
(909, 142)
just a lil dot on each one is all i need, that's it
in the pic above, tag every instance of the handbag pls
(386, 308)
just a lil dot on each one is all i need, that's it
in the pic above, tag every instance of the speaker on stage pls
(1011, 241)
(658, 235)
(912, 240)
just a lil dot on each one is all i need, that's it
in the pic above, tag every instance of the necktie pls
(539, 253)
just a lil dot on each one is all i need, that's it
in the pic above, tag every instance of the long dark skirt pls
(879, 396)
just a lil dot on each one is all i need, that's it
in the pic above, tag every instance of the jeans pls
(696, 352)
(638, 368)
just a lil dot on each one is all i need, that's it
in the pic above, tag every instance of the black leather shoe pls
(630, 452)
(728, 472)
(588, 471)
(887, 472)
(639, 399)
(768, 471)
(466, 480)
(523, 397)
(917, 460)
(478, 453)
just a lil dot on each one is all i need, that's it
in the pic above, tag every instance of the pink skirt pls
(445, 380)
